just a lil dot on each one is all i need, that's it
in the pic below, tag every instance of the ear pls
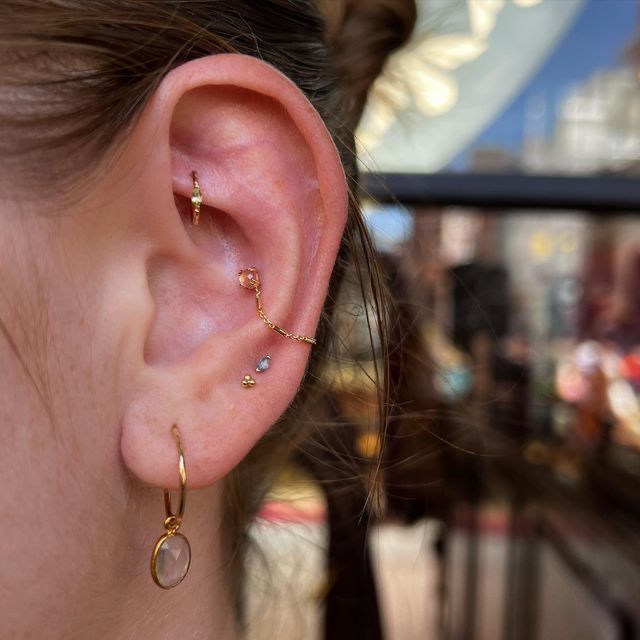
(274, 197)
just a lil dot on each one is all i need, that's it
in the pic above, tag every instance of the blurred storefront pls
(506, 141)
(501, 162)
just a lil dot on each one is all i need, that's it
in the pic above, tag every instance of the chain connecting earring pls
(250, 279)
(171, 555)
(196, 200)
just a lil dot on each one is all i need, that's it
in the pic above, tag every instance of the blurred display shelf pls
(602, 193)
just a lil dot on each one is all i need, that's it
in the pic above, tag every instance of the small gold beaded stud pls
(248, 382)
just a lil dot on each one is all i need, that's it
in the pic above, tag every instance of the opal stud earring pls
(171, 555)
(250, 279)
(263, 364)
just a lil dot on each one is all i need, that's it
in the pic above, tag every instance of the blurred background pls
(500, 153)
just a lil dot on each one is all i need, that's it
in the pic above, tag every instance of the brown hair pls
(362, 34)
(74, 75)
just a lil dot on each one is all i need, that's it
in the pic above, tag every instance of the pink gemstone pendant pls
(249, 278)
(170, 560)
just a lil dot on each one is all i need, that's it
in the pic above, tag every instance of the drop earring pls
(196, 200)
(250, 279)
(171, 555)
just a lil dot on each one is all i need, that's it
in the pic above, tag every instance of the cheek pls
(81, 352)
(59, 461)
(58, 389)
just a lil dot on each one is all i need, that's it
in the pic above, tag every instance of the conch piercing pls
(263, 364)
(196, 199)
(171, 555)
(250, 279)
(248, 382)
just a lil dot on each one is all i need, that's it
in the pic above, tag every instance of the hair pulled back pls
(362, 34)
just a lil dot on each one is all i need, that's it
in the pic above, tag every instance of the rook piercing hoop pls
(250, 279)
(171, 555)
(196, 199)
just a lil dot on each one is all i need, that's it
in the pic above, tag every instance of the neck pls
(89, 576)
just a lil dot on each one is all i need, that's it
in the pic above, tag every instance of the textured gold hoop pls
(196, 199)
(171, 556)
(250, 279)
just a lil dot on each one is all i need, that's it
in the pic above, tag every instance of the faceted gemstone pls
(196, 198)
(249, 278)
(172, 560)
(263, 365)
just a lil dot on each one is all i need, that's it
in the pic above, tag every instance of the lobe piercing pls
(171, 555)
(250, 279)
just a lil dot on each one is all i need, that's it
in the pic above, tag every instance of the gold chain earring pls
(196, 199)
(171, 555)
(250, 279)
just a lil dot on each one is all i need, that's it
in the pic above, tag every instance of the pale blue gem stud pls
(264, 364)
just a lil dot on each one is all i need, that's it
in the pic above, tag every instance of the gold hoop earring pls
(250, 279)
(196, 199)
(171, 555)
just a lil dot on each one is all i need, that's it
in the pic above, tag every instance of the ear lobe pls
(274, 197)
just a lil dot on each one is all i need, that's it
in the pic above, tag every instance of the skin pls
(128, 319)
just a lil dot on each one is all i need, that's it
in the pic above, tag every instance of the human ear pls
(275, 198)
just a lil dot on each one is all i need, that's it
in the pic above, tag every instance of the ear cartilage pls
(263, 364)
(196, 200)
(250, 279)
(248, 382)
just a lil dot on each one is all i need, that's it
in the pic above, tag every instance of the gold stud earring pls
(196, 199)
(250, 279)
(248, 382)
(171, 555)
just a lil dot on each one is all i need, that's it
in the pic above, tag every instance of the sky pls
(596, 41)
